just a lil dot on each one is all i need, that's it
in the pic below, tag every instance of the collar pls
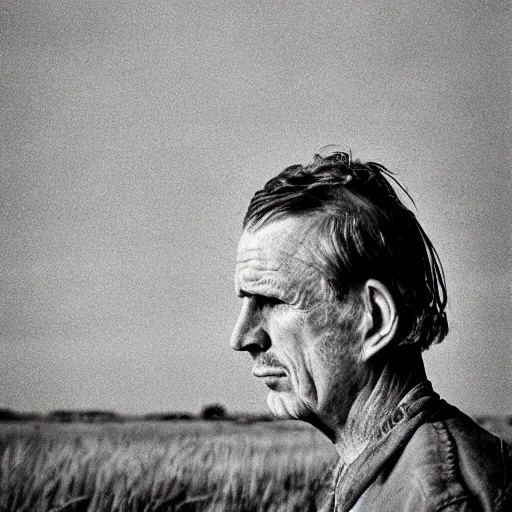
(414, 409)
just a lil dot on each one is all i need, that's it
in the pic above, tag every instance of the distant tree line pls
(210, 412)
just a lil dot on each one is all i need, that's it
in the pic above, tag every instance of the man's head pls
(335, 271)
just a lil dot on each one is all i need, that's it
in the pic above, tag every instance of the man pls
(342, 291)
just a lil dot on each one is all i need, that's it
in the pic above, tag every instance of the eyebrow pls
(266, 298)
(242, 294)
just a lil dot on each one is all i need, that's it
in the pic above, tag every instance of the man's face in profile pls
(291, 323)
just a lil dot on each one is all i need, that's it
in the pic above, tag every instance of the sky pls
(135, 133)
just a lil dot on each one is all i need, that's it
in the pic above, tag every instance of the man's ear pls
(380, 319)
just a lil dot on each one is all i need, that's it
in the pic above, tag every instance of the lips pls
(267, 371)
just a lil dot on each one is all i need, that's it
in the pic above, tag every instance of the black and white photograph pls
(255, 256)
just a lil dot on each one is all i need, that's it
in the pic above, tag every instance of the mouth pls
(269, 375)
(267, 371)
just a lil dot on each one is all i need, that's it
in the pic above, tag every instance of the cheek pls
(285, 329)
(287, 334)
(334, 331)
(335, 368)
(331, 335)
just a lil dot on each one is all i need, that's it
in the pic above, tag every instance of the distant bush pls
(88, 416)
(168, 416)
(10, 415)
(214, 411)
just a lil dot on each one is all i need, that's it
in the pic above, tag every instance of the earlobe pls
(381, 319)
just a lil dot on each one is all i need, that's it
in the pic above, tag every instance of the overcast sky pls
(134, 134)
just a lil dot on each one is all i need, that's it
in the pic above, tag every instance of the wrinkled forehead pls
(281, 250)
(291, 237)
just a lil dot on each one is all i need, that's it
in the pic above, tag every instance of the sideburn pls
(337, 323)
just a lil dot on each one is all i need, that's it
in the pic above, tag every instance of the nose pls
(249, 333)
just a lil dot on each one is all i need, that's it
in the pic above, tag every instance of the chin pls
(285, 405)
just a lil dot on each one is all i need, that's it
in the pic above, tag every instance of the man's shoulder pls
(451, 459)
(434, 459)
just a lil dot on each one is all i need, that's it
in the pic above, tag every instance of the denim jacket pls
(429, 457)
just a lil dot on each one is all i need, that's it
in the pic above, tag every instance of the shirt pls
(429, 457)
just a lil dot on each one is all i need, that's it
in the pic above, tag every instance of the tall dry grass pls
(185, 466)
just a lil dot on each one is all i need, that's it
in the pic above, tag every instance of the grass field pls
(168, 466)
(163, 466)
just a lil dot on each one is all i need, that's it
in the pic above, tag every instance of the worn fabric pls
(429, 457)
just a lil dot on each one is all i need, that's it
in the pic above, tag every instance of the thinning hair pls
(364, 231)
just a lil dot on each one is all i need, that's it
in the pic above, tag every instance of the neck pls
(386, 384)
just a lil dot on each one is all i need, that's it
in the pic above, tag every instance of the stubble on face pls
(280, 262)
(333, 329)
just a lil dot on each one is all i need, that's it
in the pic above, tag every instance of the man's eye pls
(270, 301)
